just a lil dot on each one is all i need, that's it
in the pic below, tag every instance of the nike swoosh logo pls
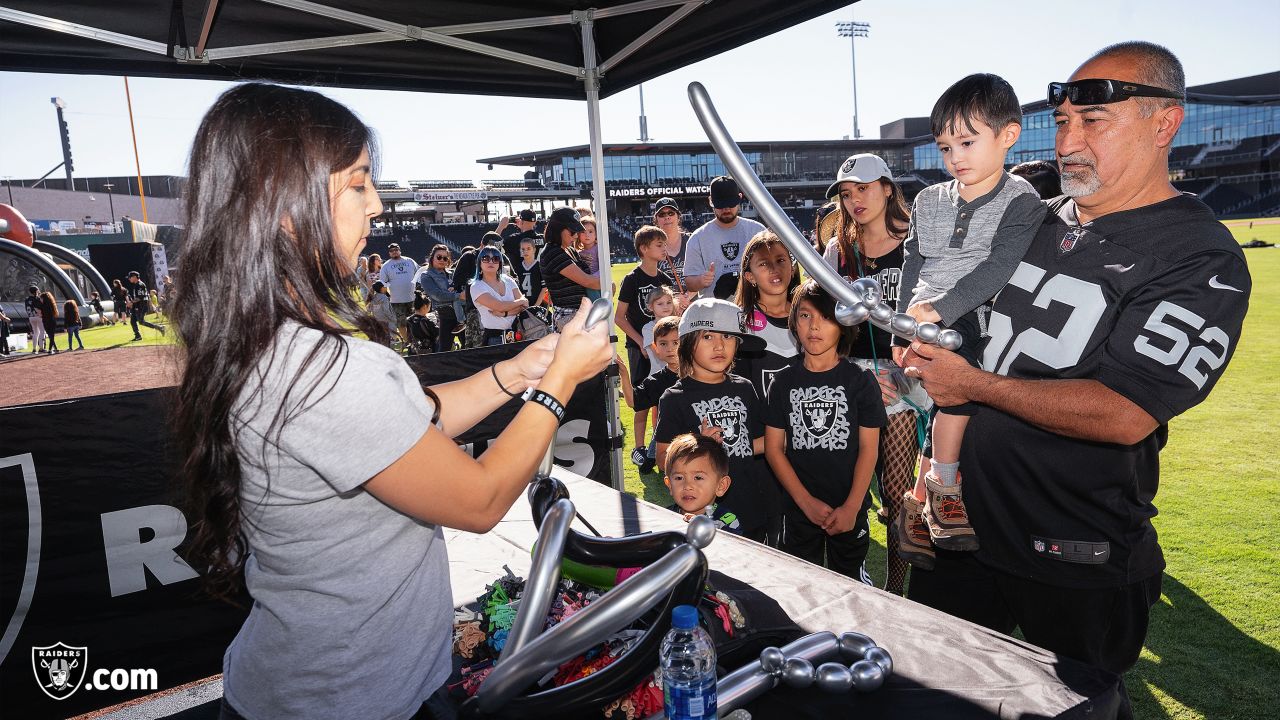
(1213, 283)
(1099, 552)
(1118, 267)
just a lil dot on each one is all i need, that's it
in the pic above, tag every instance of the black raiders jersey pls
(1150, 303)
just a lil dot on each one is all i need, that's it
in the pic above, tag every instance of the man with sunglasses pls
(1122, 315)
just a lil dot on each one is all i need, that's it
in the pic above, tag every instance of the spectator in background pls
(497, 296)
(72, 323)
(4, 333)
(119, 299)
(715, 249)
(371, 273)
(588, 250)
(666, 215)
(424, 332)
(824, 226)
(436, 283)
(563, 271)
(95, 301)
(34, 321)
(398, 274)
(529, 273)
(49, 318)
(381, 309)
(1042, 175)
(139, 300)
(523, 226)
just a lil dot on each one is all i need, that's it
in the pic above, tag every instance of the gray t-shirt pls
(713, 243)
(352, 610)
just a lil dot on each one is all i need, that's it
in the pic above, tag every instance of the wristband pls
(545, 401)
(493, 369)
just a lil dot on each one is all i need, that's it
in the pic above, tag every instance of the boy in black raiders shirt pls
(710, 401)
(698, 476)
(645, 395)
(822, 438)
(633, 313)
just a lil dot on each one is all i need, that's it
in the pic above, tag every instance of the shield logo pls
(726, 420)
(59, 668)
(730, 250)
(1039, 545)
(1071, 239)
(847, 167)
(819, 416)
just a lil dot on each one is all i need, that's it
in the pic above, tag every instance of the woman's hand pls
(532, 362)
(583, 353)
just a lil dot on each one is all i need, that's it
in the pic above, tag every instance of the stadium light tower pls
(853, 30)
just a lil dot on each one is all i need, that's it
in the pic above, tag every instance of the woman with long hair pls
(342, 552)
(49, 316)
(435, 280)
(564, 273)
(119, 300)
(72, 322)
(496, 294)
(873, 222)
(372, 271)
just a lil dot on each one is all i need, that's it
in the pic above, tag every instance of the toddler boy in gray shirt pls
(967, 236)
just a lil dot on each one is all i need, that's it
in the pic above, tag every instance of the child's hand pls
(841, 520)
(712, 431)
(924, 312)
(815, 510)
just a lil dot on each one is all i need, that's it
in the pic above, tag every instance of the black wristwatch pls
(545, 401)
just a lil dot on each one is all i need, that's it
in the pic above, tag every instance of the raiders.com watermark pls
(62, 669)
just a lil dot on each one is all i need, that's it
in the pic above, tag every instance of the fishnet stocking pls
(898, 449)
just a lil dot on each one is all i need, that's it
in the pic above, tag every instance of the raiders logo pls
(847, 167)
(59, 668)
(819, 417)
(730, 250)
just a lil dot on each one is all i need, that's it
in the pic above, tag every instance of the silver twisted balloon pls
(848, 295)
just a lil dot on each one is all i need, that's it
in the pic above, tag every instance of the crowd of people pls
(1094, 306)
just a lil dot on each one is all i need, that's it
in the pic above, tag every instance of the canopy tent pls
(532, 48)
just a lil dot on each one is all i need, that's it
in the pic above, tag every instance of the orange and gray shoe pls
(909, 534)
(946, 517)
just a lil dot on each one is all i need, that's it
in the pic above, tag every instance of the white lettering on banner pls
(127, 554)
(656, 192)
(459, 196)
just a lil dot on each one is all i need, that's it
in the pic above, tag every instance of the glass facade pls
(1203, 124)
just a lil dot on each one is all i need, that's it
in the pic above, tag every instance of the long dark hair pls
(72, 312)
(825, 304)
(262, 155)
(749, 293)
(897, 220)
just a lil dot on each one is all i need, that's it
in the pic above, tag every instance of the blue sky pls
(794, 85)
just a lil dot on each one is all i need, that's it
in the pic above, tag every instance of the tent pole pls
(584, 18)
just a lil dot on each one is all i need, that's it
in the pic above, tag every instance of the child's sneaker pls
(910, 535)
(639, 457)
(946, 517)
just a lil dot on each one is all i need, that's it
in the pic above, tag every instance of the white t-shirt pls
(398, 276)
(656, 363)
(714, 243)
(489, 320)
(351, 599)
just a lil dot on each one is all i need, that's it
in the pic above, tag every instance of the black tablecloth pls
(943, 667)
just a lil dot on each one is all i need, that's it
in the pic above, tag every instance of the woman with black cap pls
(666, 215)
(563, 272)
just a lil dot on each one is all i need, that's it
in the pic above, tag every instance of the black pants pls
(448, 321)
(844, 553)
(138, 316)
(1105, 628)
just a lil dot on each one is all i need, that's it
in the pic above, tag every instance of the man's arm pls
(1084, 409)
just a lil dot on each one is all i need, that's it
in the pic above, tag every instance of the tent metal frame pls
(590, 73)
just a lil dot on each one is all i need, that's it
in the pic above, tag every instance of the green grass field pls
(1213, 647)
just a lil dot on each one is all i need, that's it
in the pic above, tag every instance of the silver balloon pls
(850, 315)
(586, 628)
(904, 326)
(950, 339)
(867, 676)
(751, 681)
(599, 310)
(772, 660)
(798, 672)
(882, 315)
(854, 646)
(927, 332)
(544, 576)
(880, 656)
(833, 677)
(701, 531)
(869, 290)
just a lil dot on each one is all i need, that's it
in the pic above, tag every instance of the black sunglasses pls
(442, 257)
(490, 256)
(1103, 92)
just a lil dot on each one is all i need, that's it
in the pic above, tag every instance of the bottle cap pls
(684, 617)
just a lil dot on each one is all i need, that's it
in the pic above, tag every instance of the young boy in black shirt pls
(633, 314)
(822, 438)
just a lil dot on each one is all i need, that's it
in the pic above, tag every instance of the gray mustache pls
(1075, 160)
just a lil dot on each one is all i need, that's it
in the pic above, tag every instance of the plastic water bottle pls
(688, 659)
